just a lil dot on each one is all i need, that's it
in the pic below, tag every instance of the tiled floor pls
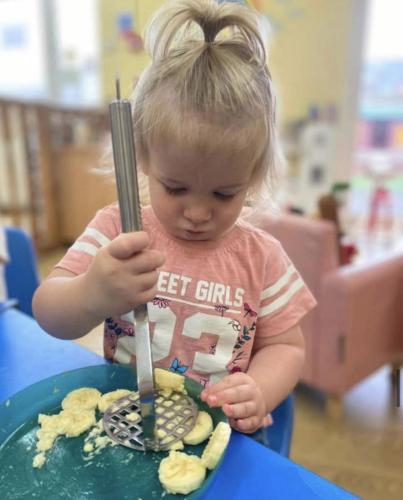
(362, 451)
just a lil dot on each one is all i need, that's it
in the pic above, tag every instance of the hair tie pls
(209, 35)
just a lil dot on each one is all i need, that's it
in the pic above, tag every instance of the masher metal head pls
(176, 416)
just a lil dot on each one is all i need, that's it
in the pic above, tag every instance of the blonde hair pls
(208, 85)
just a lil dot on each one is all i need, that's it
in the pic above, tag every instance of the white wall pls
(50, 48)
(22, 56)
(384, 34)
(78, 49)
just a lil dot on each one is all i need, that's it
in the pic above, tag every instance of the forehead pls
(194, 165)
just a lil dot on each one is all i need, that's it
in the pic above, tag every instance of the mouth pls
(194, 234)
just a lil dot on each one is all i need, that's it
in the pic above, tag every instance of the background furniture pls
(328, 210)
(21, 272)
(81, 190)
(38, 139)
(358, 324)
(248, 470)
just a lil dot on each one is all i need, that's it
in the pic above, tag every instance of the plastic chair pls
(278, 436)
(21, 271)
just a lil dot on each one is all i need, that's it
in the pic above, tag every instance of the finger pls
(147, 296)
(249, 425)
(226, 383)
(268, 420)
(145, 281)
(233, 423)
(127, 244)
(145, 261)
(235, 394)
(240, 410)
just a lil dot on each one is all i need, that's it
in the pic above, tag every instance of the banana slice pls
(85, 398)
(74, 423)
(202, 429)
(181, 473)
(110, 397)
(215, 448)
(169, 381)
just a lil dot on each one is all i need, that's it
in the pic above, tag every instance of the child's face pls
(196, 198)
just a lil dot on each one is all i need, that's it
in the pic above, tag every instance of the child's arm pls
(274, 370)
(122, 275)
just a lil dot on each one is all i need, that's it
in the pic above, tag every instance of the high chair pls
(278, 436)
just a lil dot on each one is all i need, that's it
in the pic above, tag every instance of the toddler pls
(224, 300)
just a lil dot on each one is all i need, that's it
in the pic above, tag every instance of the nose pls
(197, 214)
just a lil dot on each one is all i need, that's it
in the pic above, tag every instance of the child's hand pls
(241, 400)
(122, 275)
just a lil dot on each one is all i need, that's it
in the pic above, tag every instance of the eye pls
(224, 196)
(175, 191)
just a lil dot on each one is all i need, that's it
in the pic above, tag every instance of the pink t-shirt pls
(213, 300)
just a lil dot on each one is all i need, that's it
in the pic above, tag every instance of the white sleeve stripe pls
(82, 246)
(273, 289)
(96, 235)
(283, 299)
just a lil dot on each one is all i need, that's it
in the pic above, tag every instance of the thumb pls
(126, 245)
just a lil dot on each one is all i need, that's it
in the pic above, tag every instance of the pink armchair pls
(358, 324)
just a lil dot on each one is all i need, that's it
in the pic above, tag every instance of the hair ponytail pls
(171, 24)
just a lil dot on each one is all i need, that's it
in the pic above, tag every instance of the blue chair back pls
(278, 436)
(280, 433)
(21, 272)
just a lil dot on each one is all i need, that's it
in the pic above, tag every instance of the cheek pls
(163, 204)
(167, 207)
(231, 211)
(157, 193)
